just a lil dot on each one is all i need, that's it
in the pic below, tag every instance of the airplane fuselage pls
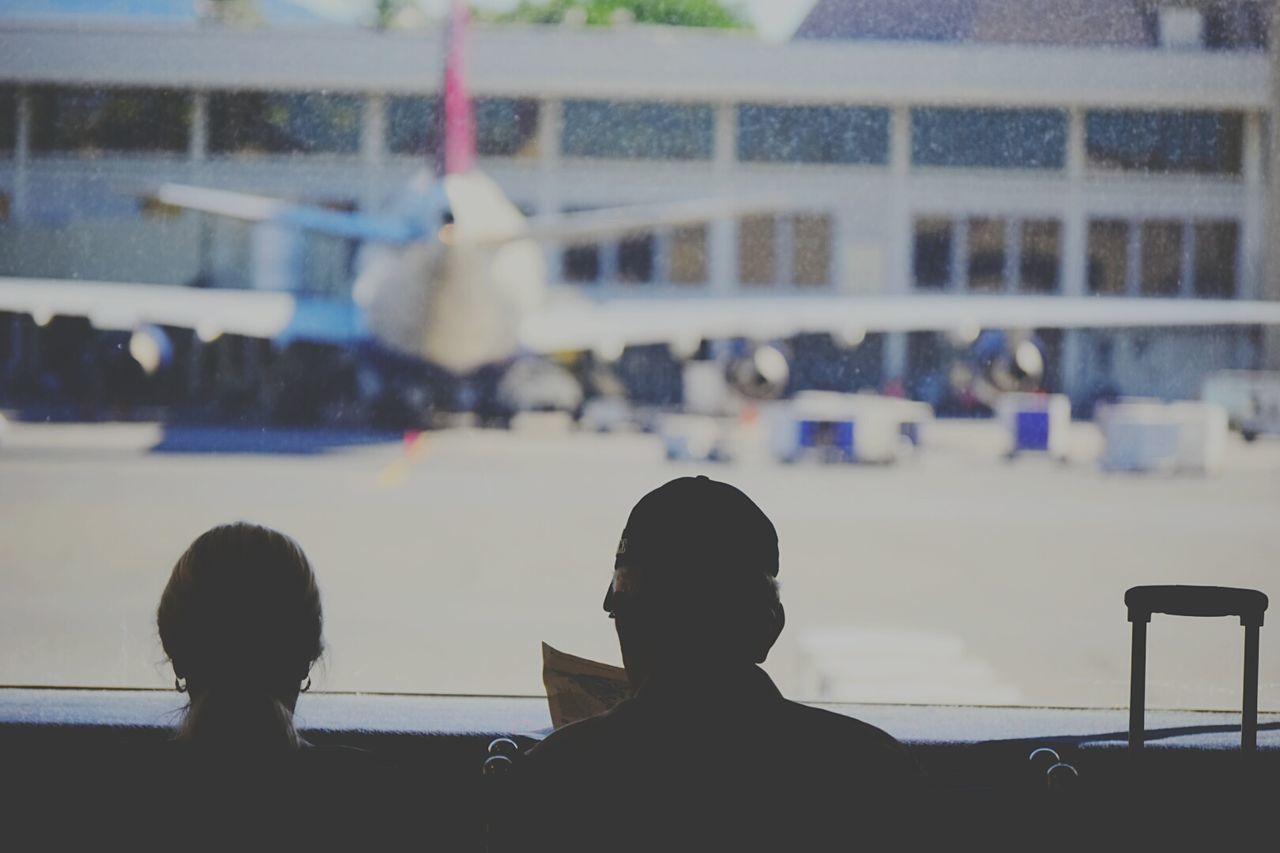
(451, 299)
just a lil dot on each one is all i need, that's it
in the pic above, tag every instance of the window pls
(8, 120)
(825, 134)
(637, 130)
(581, 264)
(635, 259)
(1216, 247)
(931, 266)
(986, 255)
(988, 138)
(93, 120)
(687, 248)
(811, 249)
(506, 127)
(413, 125)
(793, 250)
(1165, 141)
(1040, 255)
(280, 123)
(1108, 256)
(1161, 258)
(757, 250)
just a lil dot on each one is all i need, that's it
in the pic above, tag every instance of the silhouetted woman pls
(240, 620)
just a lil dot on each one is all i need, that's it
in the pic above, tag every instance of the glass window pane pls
(1161, 257)
(284, 123)
(86, 120)
(635, 259)
(637, 130)
(581, 263)
(1040, 252)
(932, 255)
(688, 255)
(1108, 255)
(8, 119)
(413, 125)
(757, 250)
(988, 138)
(811, 249)
(1165, 141)
(1216, 251)
(986, 255)
(506, 127)
(813, 134)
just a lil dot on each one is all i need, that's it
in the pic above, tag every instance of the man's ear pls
(770, 632)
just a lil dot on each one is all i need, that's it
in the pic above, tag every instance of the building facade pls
(920, 166)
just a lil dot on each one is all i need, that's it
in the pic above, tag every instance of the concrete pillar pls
(1253, 225)
(548, 202)
(373, 149)
(1270, 281)
(198, 145)
(898, 227)
(722, 238)
(1012, 254)
(22, 158)
(1073, 265)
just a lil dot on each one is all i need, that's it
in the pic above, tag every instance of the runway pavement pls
(445, 559)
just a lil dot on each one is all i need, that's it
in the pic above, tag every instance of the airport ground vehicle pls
(1251, 398)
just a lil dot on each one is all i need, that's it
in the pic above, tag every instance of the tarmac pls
(446, 558)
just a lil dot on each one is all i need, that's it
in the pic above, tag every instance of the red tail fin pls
(459, 147)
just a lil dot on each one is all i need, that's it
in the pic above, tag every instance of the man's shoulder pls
(844, 734)
(580, 738)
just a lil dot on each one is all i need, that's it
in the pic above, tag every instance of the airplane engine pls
(999, 363)
(762, 373)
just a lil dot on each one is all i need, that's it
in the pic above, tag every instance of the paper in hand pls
(578, 688)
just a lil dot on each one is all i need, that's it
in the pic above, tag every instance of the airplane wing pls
(257, 208)
(118, 306)
(591, 225)
(572, 323)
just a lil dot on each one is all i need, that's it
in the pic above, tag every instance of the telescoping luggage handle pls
(1248, 604)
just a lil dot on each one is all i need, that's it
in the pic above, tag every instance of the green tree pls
(678, 13)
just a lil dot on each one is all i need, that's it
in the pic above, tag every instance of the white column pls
(722, 242)
(1073, 263)
(198, 145)
(1012, 253)
(899, 230)
(1186, 272)
(22, 157)
(1133, 260)
(959, 255)
(548, 201)
(1269, 284)
(373, 149)
(1253, 226)
(373, 130)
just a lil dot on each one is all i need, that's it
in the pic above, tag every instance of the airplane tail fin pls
(458, 152)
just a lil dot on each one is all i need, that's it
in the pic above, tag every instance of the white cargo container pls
(1145, 436)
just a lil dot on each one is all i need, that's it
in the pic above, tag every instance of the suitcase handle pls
(1248, 604)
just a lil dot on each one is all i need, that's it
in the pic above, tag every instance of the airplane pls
(453, 291)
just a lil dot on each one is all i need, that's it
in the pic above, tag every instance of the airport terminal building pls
(979, 147)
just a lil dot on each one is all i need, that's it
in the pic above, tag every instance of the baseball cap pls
(697, 530)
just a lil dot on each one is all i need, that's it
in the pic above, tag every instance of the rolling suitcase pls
(1248, 604)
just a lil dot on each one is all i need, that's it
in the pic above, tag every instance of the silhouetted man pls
(708, 754)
